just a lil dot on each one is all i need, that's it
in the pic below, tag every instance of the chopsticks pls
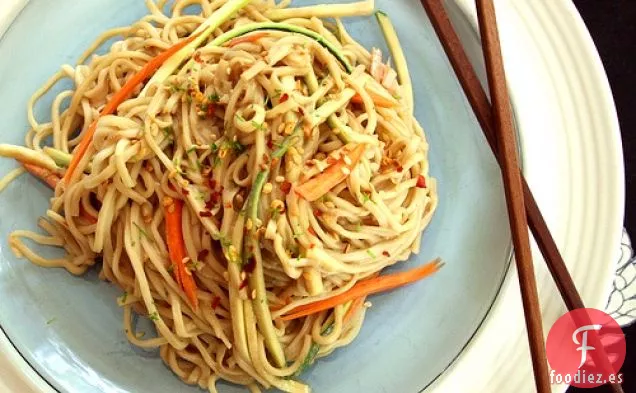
(481, 106)
(507, 147)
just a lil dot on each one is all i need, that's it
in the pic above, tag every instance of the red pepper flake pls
(270, 144)
(312, 231)
(421, 182)
(331, 160)
(310, 164)
(211, 109)
(185, 192)
(301, 111)
(286, 187)
(228, 205)
(215, 198)
(318, 213)
(203, 254)
(212, 183)
(243, 284)
(312, 246)
(205, 214)
(215, 302)
(284, 97)
(250, 266)
(197, 57)
(400, 169)
(386, 254)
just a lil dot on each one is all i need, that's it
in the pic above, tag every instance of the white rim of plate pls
(554, 71)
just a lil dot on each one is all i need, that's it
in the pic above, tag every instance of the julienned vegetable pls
(366, 288)
(252, 250)
(360, 8)
(319, 185)
(173, 210)
(399, 59)
(48, 177)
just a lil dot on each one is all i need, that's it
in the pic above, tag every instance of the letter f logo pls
(584, 347)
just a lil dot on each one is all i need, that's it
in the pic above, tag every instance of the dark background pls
(612, 24)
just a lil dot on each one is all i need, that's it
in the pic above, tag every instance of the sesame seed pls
(249, 224)
(347, 160)
(267, 189)
(346, 171)
(185, 260)
(167, 201)
(228, 71)
(243, 275)
(277, 204)
(280, 179)
(253, 293)
(226, 276)
(368, 304)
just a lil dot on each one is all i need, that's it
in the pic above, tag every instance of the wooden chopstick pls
(507, 147)
(481, 107)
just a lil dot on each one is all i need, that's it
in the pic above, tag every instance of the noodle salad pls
(243, 175)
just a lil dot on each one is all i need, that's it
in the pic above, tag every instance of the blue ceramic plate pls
(69, 329)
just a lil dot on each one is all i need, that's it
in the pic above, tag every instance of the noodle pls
(204, 137)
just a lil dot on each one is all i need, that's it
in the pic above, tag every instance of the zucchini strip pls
(361, 8)
(401, 66)
(257, 277)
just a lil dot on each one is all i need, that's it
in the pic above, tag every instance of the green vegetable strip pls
(401, 66)
(261, 307)
(257, 277)
(249, 28)
(61, 158)
(330, 107)
(315, 348)
(343, 132)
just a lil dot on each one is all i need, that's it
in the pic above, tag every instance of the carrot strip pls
(246, 38)
(52, 179)
(122, 95)
(377, 100)
(48, 177)
(314, 188)
(356, 304)
(87, 216)
(366, 288)
(176, 248)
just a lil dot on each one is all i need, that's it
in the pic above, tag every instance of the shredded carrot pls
(314, 188)
(176, 247)
(87, 216)
(48, 177)
(246, 38)
(122, 95)
(366, 288)
(377, 100)
(356, 305)
(52, 179)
